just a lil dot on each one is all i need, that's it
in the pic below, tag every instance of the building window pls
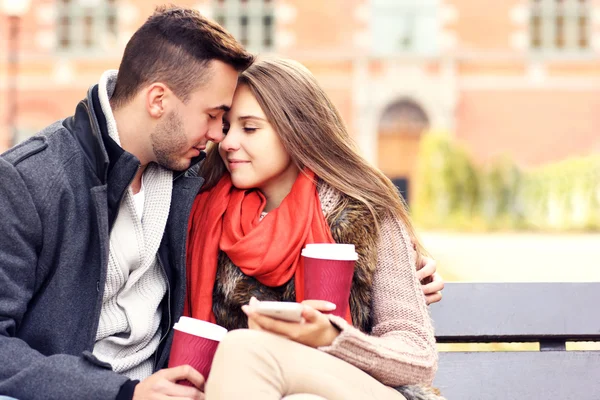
(249, 21)
(560, 26)
(86, 25)
(405, 26)
(404, 117)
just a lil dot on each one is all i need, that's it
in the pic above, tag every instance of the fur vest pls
(350, 222)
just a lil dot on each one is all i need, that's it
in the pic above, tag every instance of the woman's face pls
(252, 150)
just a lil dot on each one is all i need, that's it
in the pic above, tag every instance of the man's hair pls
(175, 46)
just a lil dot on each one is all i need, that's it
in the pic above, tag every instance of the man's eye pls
(212, 116)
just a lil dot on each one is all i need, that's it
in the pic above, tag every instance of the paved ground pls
(515, 257)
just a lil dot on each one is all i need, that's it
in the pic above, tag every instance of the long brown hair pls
(315, 137)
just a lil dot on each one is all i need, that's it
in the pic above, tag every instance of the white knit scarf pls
(128, 332)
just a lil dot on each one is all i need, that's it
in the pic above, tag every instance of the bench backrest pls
(548, 313)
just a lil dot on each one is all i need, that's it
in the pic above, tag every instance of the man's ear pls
(157, 98)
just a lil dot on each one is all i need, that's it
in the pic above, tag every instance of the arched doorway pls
(400, 128)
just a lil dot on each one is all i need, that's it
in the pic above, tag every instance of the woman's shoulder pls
(350, 220)
(337, 205)
(329, 196)
(333, 200)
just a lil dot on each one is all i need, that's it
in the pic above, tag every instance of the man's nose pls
(215, 133)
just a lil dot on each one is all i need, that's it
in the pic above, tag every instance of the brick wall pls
(498, 98)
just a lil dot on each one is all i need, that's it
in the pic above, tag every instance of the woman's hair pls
(313, 134)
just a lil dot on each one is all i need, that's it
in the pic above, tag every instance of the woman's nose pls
(230, 142)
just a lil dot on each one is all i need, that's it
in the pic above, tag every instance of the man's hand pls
(162, 385)
(432, 282)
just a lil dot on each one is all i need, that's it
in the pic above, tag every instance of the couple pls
(94, 224)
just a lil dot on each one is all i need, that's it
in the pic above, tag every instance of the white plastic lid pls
(200, 328)
(331, 251)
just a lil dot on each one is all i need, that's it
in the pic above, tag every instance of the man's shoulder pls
(39, 160)
(46, 145)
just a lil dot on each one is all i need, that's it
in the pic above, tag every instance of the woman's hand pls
(431, 282)
(314, 330)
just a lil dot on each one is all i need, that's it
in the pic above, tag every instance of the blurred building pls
(516, 77)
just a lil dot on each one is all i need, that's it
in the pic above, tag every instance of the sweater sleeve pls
(401, 348)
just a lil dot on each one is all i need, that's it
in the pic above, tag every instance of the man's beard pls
(169, 143)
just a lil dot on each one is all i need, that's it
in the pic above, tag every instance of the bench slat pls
(519, 375)
(517, 312)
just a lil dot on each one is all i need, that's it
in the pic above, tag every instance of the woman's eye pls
(248, 129)
(212, 116)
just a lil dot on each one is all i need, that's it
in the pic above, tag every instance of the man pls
(94, 211)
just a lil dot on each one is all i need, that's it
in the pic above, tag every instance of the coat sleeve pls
(25, 373)
(401, 349)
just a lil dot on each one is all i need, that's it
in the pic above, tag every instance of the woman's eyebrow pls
(247, 117)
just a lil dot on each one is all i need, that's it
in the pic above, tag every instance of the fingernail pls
(330, 306)
(246, 309)
(253, 300)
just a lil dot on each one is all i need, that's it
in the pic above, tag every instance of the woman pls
(286, 174)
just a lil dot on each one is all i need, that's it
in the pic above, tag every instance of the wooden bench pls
(547, 313)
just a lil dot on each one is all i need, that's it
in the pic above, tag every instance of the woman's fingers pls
(320, 305)
(262, 322)
(251, 320)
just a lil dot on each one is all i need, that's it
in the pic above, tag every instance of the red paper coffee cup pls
(195, 343)
(328, 272)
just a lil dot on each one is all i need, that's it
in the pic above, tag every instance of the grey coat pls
(59, 195)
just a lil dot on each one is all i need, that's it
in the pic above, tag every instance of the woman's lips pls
(237, 163)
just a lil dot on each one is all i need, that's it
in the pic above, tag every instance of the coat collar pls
(89, 128)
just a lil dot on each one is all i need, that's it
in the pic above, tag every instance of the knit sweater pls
(401, 348)
(128, 331)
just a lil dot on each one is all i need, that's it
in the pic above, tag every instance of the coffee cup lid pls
(331, 251)
(200, 328)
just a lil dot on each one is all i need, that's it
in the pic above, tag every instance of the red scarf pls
(228, 219)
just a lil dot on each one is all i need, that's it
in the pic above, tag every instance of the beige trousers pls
(258, 365)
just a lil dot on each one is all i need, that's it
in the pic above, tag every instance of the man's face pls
(186, 129)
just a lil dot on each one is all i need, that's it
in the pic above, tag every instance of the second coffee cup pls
(328, 272)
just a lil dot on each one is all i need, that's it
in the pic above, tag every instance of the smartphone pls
(286, 311)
